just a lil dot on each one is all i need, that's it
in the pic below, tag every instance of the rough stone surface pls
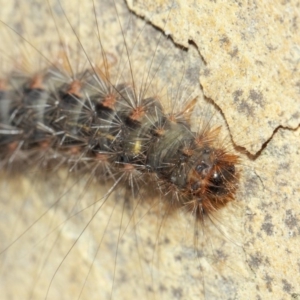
(248, 64)
(252, 55)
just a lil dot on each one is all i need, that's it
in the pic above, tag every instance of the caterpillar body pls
(92, 122)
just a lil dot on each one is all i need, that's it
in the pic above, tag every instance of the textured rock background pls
(248, 65)
(251, 52)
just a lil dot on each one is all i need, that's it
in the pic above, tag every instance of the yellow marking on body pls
(137, 147)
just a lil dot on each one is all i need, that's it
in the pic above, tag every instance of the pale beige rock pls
(252, 253)
(252, 55)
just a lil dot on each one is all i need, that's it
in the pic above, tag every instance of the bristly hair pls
(86, 115)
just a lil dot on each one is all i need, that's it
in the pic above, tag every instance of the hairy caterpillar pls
(200, 283)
